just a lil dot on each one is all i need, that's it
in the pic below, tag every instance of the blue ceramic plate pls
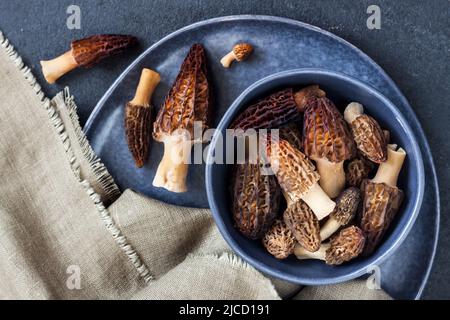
(281, 44)
(342, 90)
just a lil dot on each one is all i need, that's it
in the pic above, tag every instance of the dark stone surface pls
(413, 47)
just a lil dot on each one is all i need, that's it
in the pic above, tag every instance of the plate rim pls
(364, 56)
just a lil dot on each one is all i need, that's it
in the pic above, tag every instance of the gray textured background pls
(413, 46)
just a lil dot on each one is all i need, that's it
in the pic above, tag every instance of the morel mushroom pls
(346, 206)
(276, 110)
(382, 198)
(292, 134)
(256, 200)
(366, 131)
(279, 240)
(240, 52)
(86, 53)
(297, 177)
(138, 117)
(186, 106)
(347, 245)
(357, 171)
(327, 141)
(304, 225)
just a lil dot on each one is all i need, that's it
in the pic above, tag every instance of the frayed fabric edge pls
(97, 166)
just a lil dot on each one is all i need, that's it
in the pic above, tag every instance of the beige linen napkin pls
(58, 240)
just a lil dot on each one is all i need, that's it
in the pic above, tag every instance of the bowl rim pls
(375, 261)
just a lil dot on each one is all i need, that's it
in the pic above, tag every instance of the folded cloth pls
(59, 240)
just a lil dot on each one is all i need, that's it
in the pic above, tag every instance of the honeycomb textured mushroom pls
(382, 198)
(297, 177)
(86, 53)
(279, 240)
(292, 134)
(240, 52)
(347, 245)
(304, 225)
(327, 141)
(256, 200)
(277, 110)
(138, 117)
(366, 131)
(358, 170)
(346, 206)
(185, 108)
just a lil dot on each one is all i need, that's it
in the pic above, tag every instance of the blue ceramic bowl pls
(341, 89)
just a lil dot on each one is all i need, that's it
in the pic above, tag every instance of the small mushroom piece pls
(86, 53)
(279, 240)
(292, 134)
(138, 117)
(185, 112)
(366, 131)
(240, 52)
(347, 245)
(277, 110)
(382, 199)
(327, 141)
(304, 225)
(357, 171)
(256, 200)
(297, 177)
(346, 206)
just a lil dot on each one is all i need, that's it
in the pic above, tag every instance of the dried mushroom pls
(347, 245)
(327, 141)
(346, 206)
(240, 52)
(367, 133)
(138, 117)
(297, 177)
(382, 198)
(304, 225)
(86, 53)
(279, 240)
(187, 106)
(276, 110)
(292, 134)
(256, 200)
(358, 170)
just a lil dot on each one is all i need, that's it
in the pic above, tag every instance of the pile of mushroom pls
(335, 213)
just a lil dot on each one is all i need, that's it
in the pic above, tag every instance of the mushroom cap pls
(271, 112)
(242, 51)
(188, 99)
(357, 171)
(295, 172)
(279, 240)
(369, 138)
(379, 207)
(256, 200)
(90, 51)
(305, 96)
(347, 245)
(325, 132)
(138, 131)
(304, 225)
(346, 206)
(292, 134)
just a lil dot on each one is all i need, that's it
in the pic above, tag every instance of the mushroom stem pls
(353, 111)
(303, 254)
(388, 171)
(56, 68)
(147, 85)
(173, 168)
(319, 202)
(329, 228)
(332, 176)
(228, 59)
